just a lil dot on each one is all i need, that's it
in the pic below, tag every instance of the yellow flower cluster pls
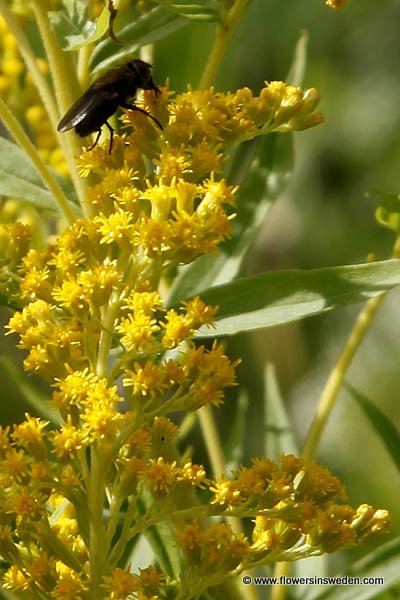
(120, 360)
(45, 488)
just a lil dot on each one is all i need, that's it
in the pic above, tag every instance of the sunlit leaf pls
(20, 179)
(279, 297)
(200, 10)
(143, 29)
(72, 25)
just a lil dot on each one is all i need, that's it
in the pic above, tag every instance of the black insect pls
(113, 89)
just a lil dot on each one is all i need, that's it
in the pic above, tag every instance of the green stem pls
(31, 64)
(97, 543)
(212, 440)
(25, 143)
(215, 452)
(83, 65)
(223, 36)
(106, 335)
(338, 374)
(66, 87)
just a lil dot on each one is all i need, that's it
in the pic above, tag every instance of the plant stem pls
(25, 143)
(31, 64)
(66, 87)
(215, 452)
(223, 36)
(338, 373)
(97, 546)
(212, 440)
(336, 378)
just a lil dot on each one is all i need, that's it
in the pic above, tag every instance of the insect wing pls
(105, 88)
(79, 111)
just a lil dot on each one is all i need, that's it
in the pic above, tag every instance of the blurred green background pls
(324, 218)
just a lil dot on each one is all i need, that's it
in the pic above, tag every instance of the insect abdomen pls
(97, 117)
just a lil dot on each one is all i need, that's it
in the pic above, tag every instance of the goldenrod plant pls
(119, 270)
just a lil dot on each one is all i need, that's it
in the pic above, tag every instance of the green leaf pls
(383, 563)
(142, 29)
(20, 179)
(282, 296)
(233, 446)
(261, 167)
(298, 67)
(72, 26)
(279, 432)
(200, 10)
(386, 430)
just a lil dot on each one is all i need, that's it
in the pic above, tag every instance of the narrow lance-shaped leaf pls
(199, 10)
(282, 296)
(383, 426)
(279, 436)
(20, 179)
(142, 29)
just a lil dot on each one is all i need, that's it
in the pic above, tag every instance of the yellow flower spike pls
(205, 159)
(120, 584)
(173, 162)
(42, 571)
(99, 283)
(15, 579)
(114, 228)
(30, 436)
(67, 440)
(138, 331)
(14, 242)
(194, 474)
(161, 476)
(176, 329)
(147, 382)
(145, 302)
(185, 194)
(368, 521)
(100, 423)
(70, 587)
(30, 506)
(160, 198)
(36, 285)
(225, 494)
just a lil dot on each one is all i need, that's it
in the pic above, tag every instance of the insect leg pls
(95, 141)
(111, 130)
(143, 111)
